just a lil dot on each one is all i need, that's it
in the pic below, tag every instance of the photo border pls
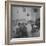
(7, 27)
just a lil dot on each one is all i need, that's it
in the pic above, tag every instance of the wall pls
(2, 22)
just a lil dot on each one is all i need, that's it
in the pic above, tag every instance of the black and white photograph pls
(25, 21)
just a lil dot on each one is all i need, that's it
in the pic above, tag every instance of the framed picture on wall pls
(25, 22)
